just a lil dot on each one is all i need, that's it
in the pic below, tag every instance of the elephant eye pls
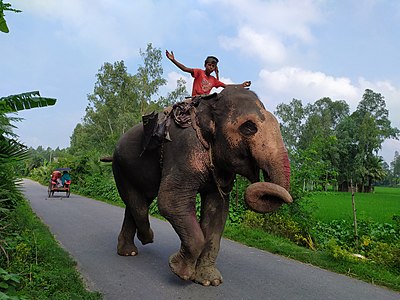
(248, 128)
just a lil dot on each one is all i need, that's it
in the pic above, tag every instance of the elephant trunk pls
(265, 197)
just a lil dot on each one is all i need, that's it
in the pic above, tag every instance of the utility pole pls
(354, 214)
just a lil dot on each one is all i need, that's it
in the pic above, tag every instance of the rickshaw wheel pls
(68, 192)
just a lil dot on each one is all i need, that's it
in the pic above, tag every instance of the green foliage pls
(8, 284)
(24, 101)
(36, 267)
(394, 171)
(330, 147)
(281, 225)
(386, 254)
(338, 252)
(119, 100)
(237, 206)
(3, 23)
(99, 187)
(378, 242)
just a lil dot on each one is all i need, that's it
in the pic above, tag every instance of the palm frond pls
(11, 150)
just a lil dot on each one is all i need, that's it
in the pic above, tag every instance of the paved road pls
(88, 230)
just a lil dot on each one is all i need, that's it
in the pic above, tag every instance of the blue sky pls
(287, 48)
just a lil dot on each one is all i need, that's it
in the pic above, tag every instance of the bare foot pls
(126, 249)
(180, 267)
(146, 238)
(208, 275)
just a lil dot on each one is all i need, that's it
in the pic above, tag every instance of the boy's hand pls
(170, 55)
(246, 83)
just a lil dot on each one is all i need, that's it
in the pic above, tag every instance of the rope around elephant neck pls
(212, 167)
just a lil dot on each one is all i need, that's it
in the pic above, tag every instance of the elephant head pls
(245, 139)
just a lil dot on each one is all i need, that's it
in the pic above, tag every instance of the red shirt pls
(203, 84)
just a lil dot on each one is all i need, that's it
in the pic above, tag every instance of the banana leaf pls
(23, 101)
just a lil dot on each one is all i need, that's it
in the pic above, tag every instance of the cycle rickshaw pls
(60, 181)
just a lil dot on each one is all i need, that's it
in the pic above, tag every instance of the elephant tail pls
(106, 159)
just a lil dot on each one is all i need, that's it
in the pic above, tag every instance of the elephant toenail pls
(206, 282)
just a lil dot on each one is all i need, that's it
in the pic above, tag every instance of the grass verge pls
(363, 270)
(46, 270)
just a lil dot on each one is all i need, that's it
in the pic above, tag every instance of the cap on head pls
(211, 59)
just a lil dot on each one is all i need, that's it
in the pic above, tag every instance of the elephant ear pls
(206, 116)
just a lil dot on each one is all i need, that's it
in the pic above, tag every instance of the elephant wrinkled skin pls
(239, 136)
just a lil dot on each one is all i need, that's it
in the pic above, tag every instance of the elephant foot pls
(208, 275)
(126, 249)
(180, 267)
(147, 237)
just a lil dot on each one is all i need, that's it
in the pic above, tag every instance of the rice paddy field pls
(379, 206)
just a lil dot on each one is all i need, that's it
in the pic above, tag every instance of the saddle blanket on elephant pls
(156, 125)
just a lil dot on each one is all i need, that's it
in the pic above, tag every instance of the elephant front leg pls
(183, 263)
(181, 213)
(213, 217)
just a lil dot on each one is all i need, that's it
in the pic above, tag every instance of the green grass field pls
(379, 206)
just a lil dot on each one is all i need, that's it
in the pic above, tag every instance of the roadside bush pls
(386, 254)
(8, 284)
(341, 231)
(338, 252)
(281, 225)
(237, 206)
(378, 242)
(99, 186)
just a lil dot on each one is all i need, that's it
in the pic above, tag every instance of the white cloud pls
(173, 77)
(114, 27)
(307, 85)
(389, 147)
(266, 46)
(270, 29)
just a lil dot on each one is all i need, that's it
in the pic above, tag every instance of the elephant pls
(231, 133)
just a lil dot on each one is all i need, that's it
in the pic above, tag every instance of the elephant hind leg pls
(136, 219)
(126, 245)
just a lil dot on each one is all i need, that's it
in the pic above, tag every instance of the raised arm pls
(244, 84)
(171, 57)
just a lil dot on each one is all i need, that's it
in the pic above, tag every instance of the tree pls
(373, 128)
(113, 108)
(119, 100)
(361, 136)
(149, 76)
(292, 117)
(310, 133)
(175, 95)
(395, 168)
(373, 105)
(329, 146)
